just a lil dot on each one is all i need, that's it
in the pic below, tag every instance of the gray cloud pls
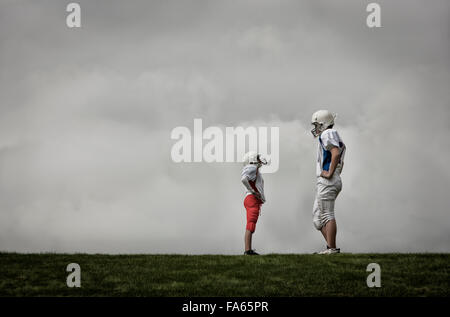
(86, 117)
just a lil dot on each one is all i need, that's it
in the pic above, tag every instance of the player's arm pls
(246, 181)
(335, 155)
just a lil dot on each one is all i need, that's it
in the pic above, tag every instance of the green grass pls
(220, 275)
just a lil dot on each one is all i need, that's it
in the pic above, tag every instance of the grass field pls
(217, 275)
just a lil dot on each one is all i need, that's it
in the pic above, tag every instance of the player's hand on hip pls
(257, 195)
(325, 174)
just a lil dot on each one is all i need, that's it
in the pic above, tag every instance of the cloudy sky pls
(86, 116)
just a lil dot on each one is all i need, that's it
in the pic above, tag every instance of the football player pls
(254, 195)
(330, 162)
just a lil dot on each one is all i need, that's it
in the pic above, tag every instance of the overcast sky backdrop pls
(86, 116)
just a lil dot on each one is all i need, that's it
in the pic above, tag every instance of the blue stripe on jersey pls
(326, 159)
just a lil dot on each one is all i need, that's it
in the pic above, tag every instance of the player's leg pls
(324, 221)
(328, 221)
(252, 206)
(248, 240)
(317, 218)
(332, 226)
(331, 231)
(323, 230)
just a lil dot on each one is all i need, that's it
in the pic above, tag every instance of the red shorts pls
(253, 206)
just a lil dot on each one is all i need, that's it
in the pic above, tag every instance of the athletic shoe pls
(330, 251)
(321, 251)
(250, 252)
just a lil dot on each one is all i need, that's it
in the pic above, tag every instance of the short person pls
(254, 195)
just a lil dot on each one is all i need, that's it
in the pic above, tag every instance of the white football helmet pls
(252, 157)
(321, 120)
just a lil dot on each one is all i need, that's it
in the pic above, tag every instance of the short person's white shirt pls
(255, 178)
(327, 140)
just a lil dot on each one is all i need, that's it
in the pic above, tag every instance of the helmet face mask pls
(254, 158)
(317, 129)
(261, 160)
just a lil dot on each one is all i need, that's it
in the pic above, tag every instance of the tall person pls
(254, 195)
(330, 162)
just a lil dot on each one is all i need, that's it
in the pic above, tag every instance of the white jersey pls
(327, 140)
(255, 179)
